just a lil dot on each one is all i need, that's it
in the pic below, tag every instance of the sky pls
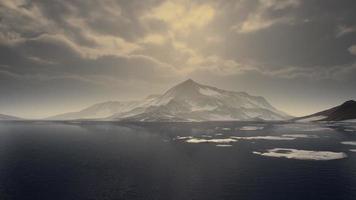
(60, 55)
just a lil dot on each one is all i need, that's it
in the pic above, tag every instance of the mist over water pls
(102, 160)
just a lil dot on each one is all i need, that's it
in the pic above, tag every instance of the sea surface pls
(177, 161)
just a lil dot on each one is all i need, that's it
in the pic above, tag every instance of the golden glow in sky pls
(183, 16)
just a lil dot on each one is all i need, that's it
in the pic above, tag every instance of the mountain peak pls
(189, 82)
(349, 102)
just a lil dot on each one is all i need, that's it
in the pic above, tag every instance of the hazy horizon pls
(62, 56)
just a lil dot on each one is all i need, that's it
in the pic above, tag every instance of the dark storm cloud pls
(62, 59)
(117, 18)
(98, 49)
(303, 35)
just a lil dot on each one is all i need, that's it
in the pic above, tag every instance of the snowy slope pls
(191, 101)
(97, 111)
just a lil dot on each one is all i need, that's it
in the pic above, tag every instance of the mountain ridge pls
(344, 111)
(8, 117)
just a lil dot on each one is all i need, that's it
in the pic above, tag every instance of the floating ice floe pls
(349, 130)
(223, 128)
(353, 150)
(299, 136)
(349, 142)
(223, 145)
(350, 120)
(251, 128)
(302, 154)
(219, 134)
(304, 127)
(197, 140)
(263, 138)
(319, 129)
(183, 137)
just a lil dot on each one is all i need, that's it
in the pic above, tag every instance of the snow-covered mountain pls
(191, 101)
(8, 117)
(345, 111)
(187, 101)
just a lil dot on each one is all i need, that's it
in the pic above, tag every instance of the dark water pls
(63, 161)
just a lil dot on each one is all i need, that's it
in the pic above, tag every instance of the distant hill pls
(187, 101)
(98, 111)
(8, 117)
(345, 111)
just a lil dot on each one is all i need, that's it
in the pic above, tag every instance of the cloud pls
(260, 19)
(183, 16)
(342, 73)
(62, 39)
(154, 39)
(185, 35)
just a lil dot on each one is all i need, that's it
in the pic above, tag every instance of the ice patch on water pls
(251, 128)
(223, 145)
(197, 140)
(302, 154)
(263, 138)
(349, 143)
(223, 128)
(300, 136)
(219, 134)
(319, 129)
(350, 120)
(353, 150)
(183, 137)
(304, 127)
